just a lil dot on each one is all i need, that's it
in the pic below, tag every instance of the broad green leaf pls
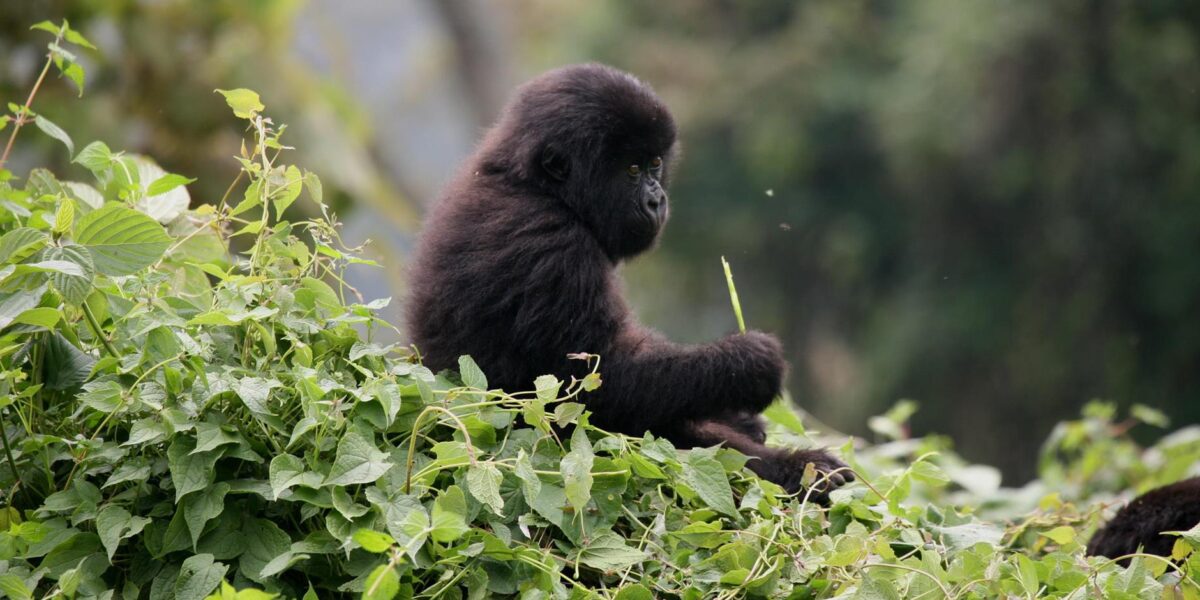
(14, 304)
(707, 477)
(531, 486)
(483, 480)
(95, 157)
(374, 541)
(84, 194)
(54, 131)
(634, 591)
(199, 509)
(73, 287)
(114, 523)
(198, 576)
(264, 541)
(382, 584)
(166, 201)
(607, 551)
(286, 195)
(472, 375)
(547, 387)
(14, 587)
(39, 317)
(245, 103)
(104, 396)
(357, 461)
(167, 183)
(122, 240)
(576, 468)
(20, 243)
(449, 515)
(189, 472)
(65, 365)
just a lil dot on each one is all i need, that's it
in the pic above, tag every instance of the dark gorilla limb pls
(1174, 507)
(779, 465)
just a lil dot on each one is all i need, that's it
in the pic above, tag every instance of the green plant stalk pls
(95, 326)
(733, 296)
(12, 462)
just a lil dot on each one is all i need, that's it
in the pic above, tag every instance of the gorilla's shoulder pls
(1173, 507)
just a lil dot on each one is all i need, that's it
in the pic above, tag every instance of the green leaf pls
(95, 157)
(1061, 535)
(483, 479)
(576, 468)
(64, 216)
(167, 183)
(73, 287)
(189, 472)
(264, 541)
(547, 387)
(635, 591)
(449, 515)
(382, 584)
(374, 541)
(285, 196)
(531, 486)
(707, 477)
(114, 523)
(54, 131)
(608, 552)
(77, 38)
(357, 461)
(74, 72)
(199, 509)
(472, 375)
(65, 365)
(122, 240)
(20, 243)
(104, 396)
(287, 471)
(245, 103)
(14, 587)
(48, 26)
(39, 317)
(198, 576)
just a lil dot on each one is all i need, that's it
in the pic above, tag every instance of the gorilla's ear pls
(555, 164)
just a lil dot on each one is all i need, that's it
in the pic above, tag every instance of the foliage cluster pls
(184, 421)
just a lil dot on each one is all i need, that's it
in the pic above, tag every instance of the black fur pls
(1174, 507)
(517, 268)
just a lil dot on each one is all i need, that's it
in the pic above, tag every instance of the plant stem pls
(733, 297)
(12, 463)
(12, 137)
(99, 333)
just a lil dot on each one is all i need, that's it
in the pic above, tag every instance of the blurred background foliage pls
(990, 207)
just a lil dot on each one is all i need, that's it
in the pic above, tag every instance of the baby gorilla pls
(517, 268)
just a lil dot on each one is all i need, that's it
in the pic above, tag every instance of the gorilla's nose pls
(656, 200)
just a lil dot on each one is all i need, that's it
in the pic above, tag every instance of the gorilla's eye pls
(634, 170)
(656, 163)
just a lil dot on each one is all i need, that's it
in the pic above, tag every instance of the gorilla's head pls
(596, 139)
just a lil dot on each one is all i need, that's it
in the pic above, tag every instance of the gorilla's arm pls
(652, 383)
(571, 303)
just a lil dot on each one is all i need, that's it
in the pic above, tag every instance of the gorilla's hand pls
(786, 468)
(757, 357)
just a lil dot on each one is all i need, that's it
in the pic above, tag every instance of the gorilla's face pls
(639, 194)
